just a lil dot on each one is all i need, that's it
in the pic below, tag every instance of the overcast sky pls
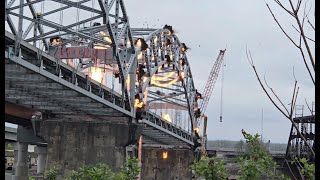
(207, 26)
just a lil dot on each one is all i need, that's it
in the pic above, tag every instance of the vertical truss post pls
(6, 6)
(35, 15)
(132, 75)
(35, 33)
(116, 23)
(19, 33)
(106, 12)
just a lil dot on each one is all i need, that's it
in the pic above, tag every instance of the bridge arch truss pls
(96, 34)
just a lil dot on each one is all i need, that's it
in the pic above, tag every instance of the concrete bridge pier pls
(20, 168)
(166, 162)
(41, 160)
(74, 143)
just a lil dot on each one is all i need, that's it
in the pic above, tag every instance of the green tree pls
(9, 147)
(209, 168)
(307, 170)
(101, 171)
(256, 162)
(129, 171)
(51, 174)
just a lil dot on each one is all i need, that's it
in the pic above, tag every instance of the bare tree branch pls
(264, 89)
(310, 24)
(305, 62)
(275, 94)
(303, 35)
(281, 27)
(304, 59)
(293, 100)
(309, 20)
(308, 106)
(294, 75)
(298, 5)
(279, 3)
(302, 48)
(300, 33)
(294, 11)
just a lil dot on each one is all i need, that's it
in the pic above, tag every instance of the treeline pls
(213, 144)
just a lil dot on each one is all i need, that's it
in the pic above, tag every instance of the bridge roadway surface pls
(62, 92)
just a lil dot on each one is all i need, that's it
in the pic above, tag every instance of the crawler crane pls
(205, 96)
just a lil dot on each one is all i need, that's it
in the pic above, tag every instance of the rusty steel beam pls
(19, 111)
(82, 52)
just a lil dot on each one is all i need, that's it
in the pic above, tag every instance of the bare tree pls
(293, 11)
(303, 45)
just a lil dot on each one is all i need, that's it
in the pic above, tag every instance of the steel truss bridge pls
(81, 59)
(297, 147)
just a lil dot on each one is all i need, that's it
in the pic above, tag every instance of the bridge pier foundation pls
(20, 168)
(76, 143)
(41, 160)
(166, 163)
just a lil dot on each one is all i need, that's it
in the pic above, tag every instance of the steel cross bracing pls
(97, 27)
(296, 147)
(47, 24)
(165, 56)
(46, 80)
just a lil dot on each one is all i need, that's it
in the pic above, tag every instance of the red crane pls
(213, 76)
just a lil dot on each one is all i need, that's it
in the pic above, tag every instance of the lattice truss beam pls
(165, 80)
(64, 23)
(97, 32)
(297, 148)
(213, 76)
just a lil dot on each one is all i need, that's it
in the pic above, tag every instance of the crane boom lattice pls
(213, 76)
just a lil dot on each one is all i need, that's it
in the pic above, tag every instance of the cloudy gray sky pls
(207, 26)
(234, 24)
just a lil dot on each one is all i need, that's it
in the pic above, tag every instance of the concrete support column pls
(20, 171)
(41, 160)
(73, 144)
